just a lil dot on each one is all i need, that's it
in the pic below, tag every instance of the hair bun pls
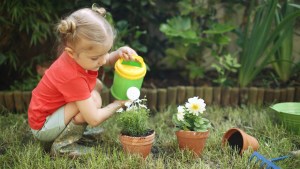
(99, 10)
(66, 26)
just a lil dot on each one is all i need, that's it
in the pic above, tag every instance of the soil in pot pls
(149, 132)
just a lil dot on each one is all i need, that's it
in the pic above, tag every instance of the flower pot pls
(191, 140)
(238, 139)
(137, 145)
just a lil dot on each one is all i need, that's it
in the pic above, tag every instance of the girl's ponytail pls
(86, 23)
(99, 10)
(67, 27)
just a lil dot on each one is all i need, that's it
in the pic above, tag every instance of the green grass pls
(18, 149)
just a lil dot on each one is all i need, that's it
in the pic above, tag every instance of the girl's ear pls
(69, 51)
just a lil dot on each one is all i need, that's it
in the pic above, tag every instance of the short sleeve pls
(75, 89)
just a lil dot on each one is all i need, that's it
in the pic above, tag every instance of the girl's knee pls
(70, 111)
(78, 119)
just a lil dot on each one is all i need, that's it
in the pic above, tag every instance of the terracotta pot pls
(238, 139)
(191, 140)
(137, 145)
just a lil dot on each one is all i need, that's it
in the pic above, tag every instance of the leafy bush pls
(28, 35)
(27, 85)
(27, 28)
(261, 39)
(134, 120)
(283, 58)
(226, 65)
(190, 34)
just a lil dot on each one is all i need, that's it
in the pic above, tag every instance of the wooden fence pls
(159, 99)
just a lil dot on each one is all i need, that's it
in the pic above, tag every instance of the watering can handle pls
(136, 59)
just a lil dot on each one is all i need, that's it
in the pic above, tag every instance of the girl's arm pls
(94, 116)
(87, 108)
(98, 86)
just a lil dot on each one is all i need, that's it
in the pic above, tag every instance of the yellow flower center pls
(195, 106)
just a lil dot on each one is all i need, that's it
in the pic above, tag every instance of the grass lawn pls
(18, 149)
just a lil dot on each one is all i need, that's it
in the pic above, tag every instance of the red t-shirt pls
(65, 81)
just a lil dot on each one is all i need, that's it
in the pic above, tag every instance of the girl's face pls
(91, 55)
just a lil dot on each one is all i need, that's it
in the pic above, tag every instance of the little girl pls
(66, 99)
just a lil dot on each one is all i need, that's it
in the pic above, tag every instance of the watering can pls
(128, 78)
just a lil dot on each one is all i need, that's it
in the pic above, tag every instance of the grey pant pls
(53, 126)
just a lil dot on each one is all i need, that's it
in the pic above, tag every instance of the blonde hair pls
(86, 23)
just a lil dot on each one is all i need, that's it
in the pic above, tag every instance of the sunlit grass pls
(18, 149)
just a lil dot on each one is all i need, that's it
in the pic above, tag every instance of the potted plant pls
(136, 137)
(191, 128)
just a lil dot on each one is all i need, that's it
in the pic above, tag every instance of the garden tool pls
(66, 142)
(268, 163)
(128, 78)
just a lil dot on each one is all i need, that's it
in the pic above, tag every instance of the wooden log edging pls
(159, 99)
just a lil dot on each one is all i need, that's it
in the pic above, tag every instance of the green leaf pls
(219, 29)
(186, 124)
(259, 45)
(223, 40)
(196, 71)
(180, 27)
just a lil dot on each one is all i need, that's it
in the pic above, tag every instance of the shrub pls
(133, 121)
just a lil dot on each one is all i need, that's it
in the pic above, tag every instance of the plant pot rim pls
(253, 140)
(137, 140)
(192, 131)
(152, 132)
(192, 134)
(230, 131)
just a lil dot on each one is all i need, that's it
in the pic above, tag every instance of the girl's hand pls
(121, 103)
(126, 53)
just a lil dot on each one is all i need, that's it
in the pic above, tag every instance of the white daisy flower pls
(180, 113)
(180, 109)
(180, 116)
(195, 105)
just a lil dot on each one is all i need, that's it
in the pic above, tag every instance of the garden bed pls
(20, 150)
